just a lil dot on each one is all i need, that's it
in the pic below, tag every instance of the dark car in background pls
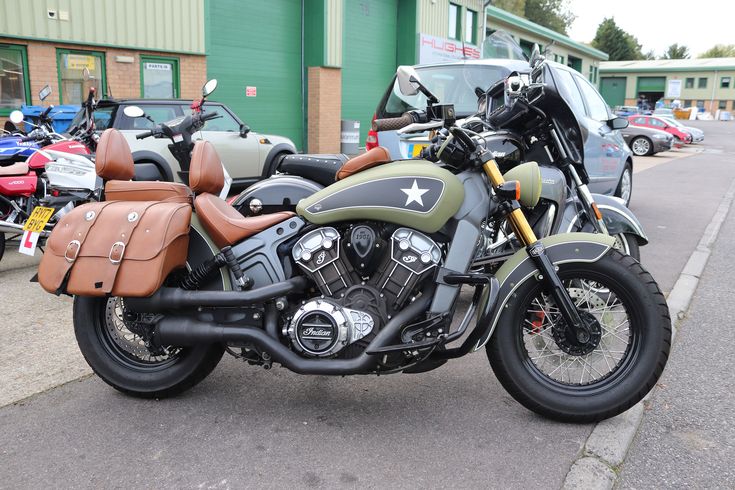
(645, 141)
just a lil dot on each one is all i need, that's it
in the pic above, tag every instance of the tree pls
(649, 55)
(617, 43)
(517, 7)
(553, 14)
(719, 51)
(676, 52)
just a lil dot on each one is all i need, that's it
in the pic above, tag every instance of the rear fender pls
(519, 268)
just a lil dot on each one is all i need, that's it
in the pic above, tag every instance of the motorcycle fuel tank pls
(38, 160)
(413, 193)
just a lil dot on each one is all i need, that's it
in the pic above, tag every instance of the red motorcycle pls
(29, 181)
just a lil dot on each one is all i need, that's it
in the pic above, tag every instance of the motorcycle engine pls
(363, 280)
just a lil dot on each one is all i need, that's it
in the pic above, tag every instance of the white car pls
(247, 156)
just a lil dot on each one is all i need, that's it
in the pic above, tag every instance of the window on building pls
(574, 62)
(702, 82)
(470, 26)
(687, 103)
(455, 21)
(700, 104)
(559, 58)
(159, 77)
(71, 66)
(725, 82)
(689, 83)
(593, 74)
(14, 84)
(722, 104)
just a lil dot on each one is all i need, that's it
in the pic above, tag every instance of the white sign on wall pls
(158, 66)
(673, 89)
(434, 49)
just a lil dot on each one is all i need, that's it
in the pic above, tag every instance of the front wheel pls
(628, 244)
(537, 359)
(641, 146)
(114, 345)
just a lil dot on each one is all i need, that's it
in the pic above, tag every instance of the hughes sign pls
(433, 49)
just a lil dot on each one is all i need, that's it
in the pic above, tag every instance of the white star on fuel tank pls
(414, 194)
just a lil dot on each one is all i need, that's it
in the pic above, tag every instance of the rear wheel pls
(537, 359)
(116, 347)
(641, 146)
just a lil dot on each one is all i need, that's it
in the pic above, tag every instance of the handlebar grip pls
(392, 123)
(209, 115)
(144, 134)
(28, 138)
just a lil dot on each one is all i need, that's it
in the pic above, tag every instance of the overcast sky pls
(698, 24)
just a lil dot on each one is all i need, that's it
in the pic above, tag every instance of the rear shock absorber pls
(226, 257)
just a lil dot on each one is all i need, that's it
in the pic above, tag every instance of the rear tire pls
(121, 362)
(611, 387)
(641, 146)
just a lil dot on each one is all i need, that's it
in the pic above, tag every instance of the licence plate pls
(414, 150)
(39, 218)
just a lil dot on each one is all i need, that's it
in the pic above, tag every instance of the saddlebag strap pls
(75, 246)
(117, 250)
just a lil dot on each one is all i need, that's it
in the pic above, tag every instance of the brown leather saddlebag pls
(122, 248)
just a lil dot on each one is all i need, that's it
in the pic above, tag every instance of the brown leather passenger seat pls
(377, 156)
(224, 223)
(114, 163)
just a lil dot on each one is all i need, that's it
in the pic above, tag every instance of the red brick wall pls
(324, 109)
(122, 78)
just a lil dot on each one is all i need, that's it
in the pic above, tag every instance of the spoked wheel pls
(627, 244)
(546, 367)
(120, 349)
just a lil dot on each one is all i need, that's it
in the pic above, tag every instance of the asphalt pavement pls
(687, 438)
(246, 427)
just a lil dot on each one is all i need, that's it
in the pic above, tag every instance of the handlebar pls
(143, 135)
(392, 123)
(28, 138)
(209, 115)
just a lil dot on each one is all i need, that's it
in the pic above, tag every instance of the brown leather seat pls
(18, 168)
(114, 163)
(225, 225)
(114, 160)
(128, 190)
(376, 156)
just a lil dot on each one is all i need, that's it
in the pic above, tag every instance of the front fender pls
(617, 217)
(519, 268)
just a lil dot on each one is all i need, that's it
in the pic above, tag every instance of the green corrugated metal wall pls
(258, 44)
(369, 57)
(164, 25)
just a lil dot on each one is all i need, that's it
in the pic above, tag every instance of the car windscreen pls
(452, 84)
(158, 112)
(102, 117)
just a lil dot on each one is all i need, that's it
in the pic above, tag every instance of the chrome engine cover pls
(321, 328)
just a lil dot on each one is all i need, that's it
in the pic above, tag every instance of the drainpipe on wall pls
(304, 95)
(712, 99)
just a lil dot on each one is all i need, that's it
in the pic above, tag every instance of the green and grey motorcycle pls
(365, 278)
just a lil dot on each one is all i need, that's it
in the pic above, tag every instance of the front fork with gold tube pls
(582, 329)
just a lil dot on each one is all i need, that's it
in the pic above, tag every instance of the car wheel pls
(641, 146)
(275, 163)
(625, 185)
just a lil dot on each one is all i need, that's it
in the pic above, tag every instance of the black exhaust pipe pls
(176, 298)
(184, 331)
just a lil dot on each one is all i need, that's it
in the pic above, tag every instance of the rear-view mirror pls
(16, 117)
(44, 93)
(406, 76)
(133, 111)
(618, 123)
(244, 130)
(209, 87)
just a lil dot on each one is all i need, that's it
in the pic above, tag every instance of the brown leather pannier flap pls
(116, 247)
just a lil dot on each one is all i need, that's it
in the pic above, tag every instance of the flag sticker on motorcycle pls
(28, 243)
(38, 219)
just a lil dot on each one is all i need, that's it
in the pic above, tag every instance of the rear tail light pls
(372, 138)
